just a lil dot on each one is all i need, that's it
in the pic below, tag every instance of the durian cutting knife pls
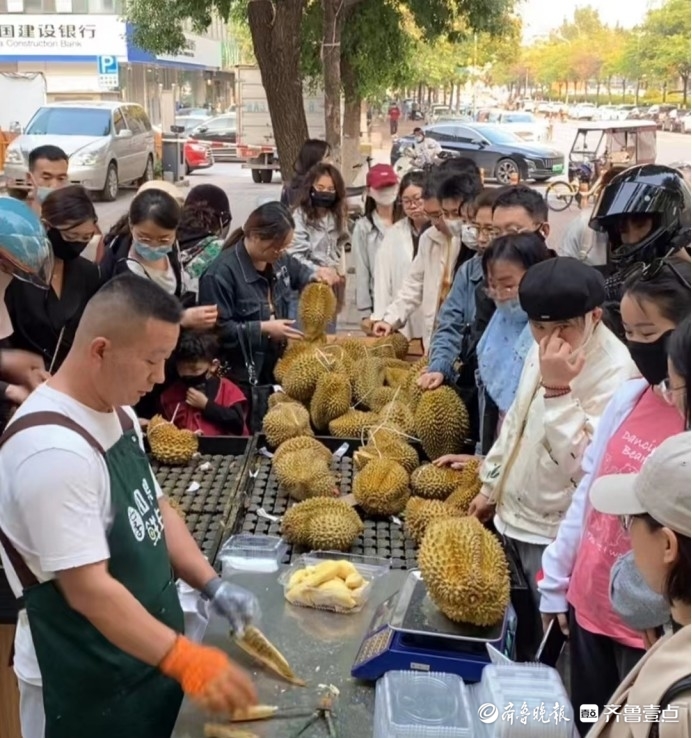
(323, 712)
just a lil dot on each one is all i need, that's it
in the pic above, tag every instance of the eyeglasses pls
(411, 202)
(434, 216)
(501, 292)
(487, 231)
(647, 272)
(519, 231)
(668, 391)
(166, 241)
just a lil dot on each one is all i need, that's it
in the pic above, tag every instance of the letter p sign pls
(107, 65)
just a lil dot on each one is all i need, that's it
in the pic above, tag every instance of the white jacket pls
(420, 290)
(366, 242)
(559, 557)
(534, 467)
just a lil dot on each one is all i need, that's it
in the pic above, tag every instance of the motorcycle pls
(407, 162)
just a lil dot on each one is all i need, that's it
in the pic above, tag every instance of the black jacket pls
(38, 316)
(243, 296)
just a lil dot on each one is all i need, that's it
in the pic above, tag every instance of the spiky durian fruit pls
(382, 487)
(398, 415)
(290, 354)
(442, 422)
(286, 420)
(380, 397)
(303, 442)
(305, 474)
(413, 391)
(169, 444)
(465, 571)
(395, 345)
(331, 400)
(462, 497)
(366, 376)
(356, 349)
(333, 526)
(316, 309)
(383, 442)
(434, 482)
(419, 513)
(276, 398)
(352, 424)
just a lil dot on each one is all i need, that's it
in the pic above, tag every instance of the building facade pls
(64, 39)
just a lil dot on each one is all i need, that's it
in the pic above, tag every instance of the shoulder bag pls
(257, 394)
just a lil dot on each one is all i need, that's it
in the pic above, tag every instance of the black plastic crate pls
(209, 509)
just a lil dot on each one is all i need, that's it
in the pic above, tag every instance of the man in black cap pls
(569, 376)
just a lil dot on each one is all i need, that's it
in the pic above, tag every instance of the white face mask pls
(455, 227)
(469, 237)
(385, 196)
(589, 328)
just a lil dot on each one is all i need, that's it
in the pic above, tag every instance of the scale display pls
(408, 632)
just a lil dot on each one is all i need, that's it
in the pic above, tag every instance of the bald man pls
(91, 544)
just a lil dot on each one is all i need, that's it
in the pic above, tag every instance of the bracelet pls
(556, 393)
(555, 389)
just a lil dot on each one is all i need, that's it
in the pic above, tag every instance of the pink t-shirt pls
(603, 542)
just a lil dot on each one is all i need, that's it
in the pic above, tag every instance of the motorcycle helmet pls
(650, 190)
(25, 251)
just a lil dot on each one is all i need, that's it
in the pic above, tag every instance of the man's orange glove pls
(208, 677)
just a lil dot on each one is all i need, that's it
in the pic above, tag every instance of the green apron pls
(90, 687)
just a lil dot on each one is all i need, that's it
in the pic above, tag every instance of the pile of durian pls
(330, 585)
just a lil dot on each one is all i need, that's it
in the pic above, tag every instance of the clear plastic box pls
(369, 567)
(412, 704)
(246, 552)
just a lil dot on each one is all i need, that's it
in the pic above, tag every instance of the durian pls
(303, 442)
(331, 400)
(352, 424)
(419, 513)
(462, 497)
(465, 571)
(355, 349)
(411, 387)
(366, 377)
(290, 354)
(301, 377)
(316, 309)
(382, 487)
(286, 420)
(395, 345)
(304, 474)
(169, 444)
(380, 397)
(257, 645)
(322, 524)
(383, 443)
(276, 398)
(396, 414)
(396, 377)
(442, 422)
(434, 482)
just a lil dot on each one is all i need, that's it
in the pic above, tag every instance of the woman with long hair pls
(312, 152)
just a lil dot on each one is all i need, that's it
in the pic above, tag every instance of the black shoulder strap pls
(246, 348)
(675, 690)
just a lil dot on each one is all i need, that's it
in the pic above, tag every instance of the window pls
(467, 135)
(101, 6)
(33, 6)
(80, 6)
(63, 6)
(441, 133)
(70, 122)
(137, 119)
(119, 123)
(12, 6)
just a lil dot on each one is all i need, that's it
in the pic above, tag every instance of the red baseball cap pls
(380, 176)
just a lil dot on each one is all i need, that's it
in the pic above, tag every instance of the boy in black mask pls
(200, 400)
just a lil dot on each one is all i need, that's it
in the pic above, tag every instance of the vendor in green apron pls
(92, 546)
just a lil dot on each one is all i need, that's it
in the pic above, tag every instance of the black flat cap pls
(561, 289)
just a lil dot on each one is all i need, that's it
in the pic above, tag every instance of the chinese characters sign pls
(62, 35)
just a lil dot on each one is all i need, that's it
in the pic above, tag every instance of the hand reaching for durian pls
(481, 507)
(280, 330)
(456, 461)
(561, 617)
(430, 380)
(559, 363)
(328, 275)
(381, 328)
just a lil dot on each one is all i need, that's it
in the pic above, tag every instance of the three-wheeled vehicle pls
(597, 148)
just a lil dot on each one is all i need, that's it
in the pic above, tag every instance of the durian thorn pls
(324, 359)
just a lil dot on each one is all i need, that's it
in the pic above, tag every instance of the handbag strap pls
(245, 347)
(675, 690)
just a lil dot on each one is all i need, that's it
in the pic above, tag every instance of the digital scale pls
(408, 632)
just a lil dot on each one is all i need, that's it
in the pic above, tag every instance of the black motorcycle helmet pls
(650, 190)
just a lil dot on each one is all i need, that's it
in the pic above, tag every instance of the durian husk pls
(290, 354)
(395, 345)
(382, 487)
(300, 378)
(380, 397)
(322, 524)
(465, 571)
(413, 391)
(171, 445)
(276, 398)
(331, 400)
(286, 420)
(304, 474)
(257, 645)
(396, 378)
(398, 415)
(356, 350)
(316, 309)
(419, 513)
(442, 422)
(383, 443)
(352, 424)
(434, 482)
(303, 442)
(366, 376)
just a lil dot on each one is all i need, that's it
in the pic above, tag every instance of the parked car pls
(606, 112)
(220, 134)
(188, 122)
(583, 111)
(499, 152)
(108, 143)
(523, 124)
(195, 112)
(686, 122)
(672, 121)
(197, 155)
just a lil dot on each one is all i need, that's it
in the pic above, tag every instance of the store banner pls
(203, 53)
(62, 35)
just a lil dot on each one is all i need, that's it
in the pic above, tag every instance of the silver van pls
(108, 143)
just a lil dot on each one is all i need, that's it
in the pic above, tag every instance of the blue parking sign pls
(108, 65)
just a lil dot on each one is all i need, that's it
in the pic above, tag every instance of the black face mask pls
(194, 380)
(65, 250)
(651, 358)
(322, 199)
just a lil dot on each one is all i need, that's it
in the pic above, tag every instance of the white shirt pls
(55, 502)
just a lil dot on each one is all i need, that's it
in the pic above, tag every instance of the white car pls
(686, 122)
(583, 111)
(525, 125)
(606, 112)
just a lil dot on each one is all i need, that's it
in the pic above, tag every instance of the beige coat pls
(666, 662)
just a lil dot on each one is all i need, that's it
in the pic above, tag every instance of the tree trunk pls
(609, 84)
(352, 117)
(420, 93)
(685, 83)
(275, 30)
(664, 92)
(332, 26)
(598, 90)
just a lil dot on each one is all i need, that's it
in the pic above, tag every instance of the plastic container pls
(412, 704)
(369, 567)
(245, 552)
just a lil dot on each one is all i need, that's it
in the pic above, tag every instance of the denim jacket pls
(455, 319)
(245, 296)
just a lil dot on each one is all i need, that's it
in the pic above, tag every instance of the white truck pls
(27, 93)
(254, 135)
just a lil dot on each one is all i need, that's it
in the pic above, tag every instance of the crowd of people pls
(576, 377)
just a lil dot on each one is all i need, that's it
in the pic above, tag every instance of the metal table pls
(320, 646)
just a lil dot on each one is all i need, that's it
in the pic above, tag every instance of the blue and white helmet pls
(25, 250)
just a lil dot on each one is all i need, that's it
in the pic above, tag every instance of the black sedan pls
(500, 153)
(219, 133)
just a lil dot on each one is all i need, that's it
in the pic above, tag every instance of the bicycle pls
(560, 195)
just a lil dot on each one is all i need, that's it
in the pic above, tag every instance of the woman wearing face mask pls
(571, 371)
(204, 224)
(575, 587)
(398, 249)
(45, 321)
(312, 152)
(320, 235)
(381, 212)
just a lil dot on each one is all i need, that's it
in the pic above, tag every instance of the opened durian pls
(352, 424)
(442, 422)
(419, 513)
(170, 445)
(303, 442)
(331, 400)
(286, 420)
(316, 309)
(465, 571)
(398, 415)
(304, 474)
(435, 482)
(382, 487)
(366, 377)
(394, 345)
(333, 526)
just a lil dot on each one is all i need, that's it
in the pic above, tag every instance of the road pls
(245, 195)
